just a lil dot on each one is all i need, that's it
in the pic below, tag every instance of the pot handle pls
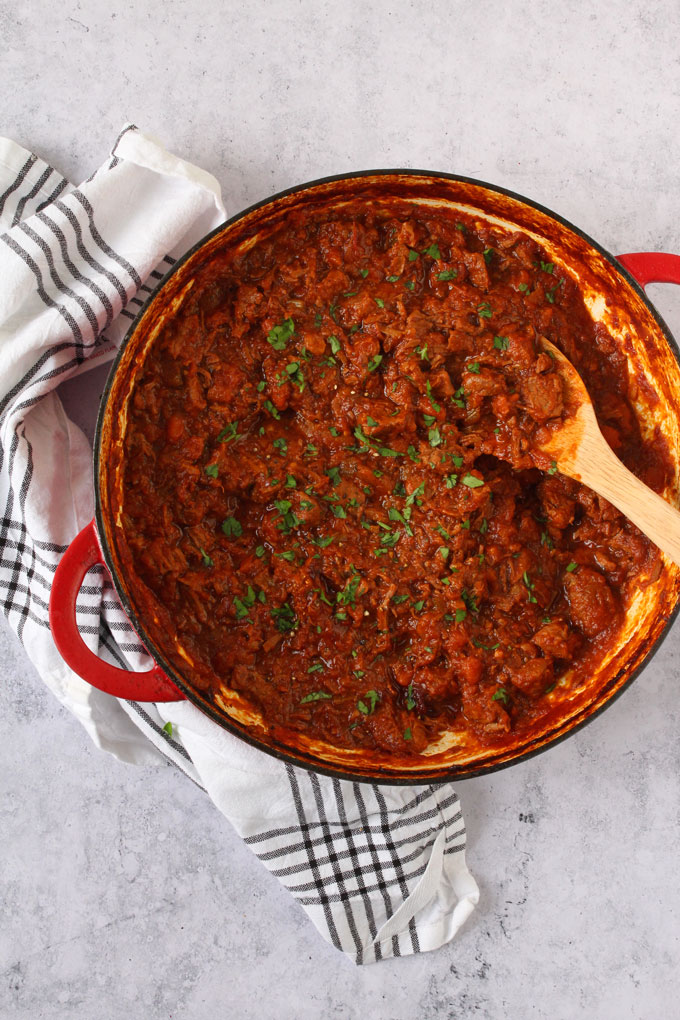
(153, 685)
(652, 266)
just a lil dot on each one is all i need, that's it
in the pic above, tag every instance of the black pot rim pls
(439, 776)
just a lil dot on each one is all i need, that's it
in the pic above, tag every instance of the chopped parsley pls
(206, 559)
(272, 410)
(529, 584)
(232, 528)
(571, 567)
(434, 437)
(374, 362)
(228, 433)
(335, 344)
(433, 251)
(294, 373)
(284, 618)
(315, 696)
(484, 310)
(288, 519)
(501, 343)
(347, 597)
(447, 274)
(368, 707)
(472, 481)
(428, 390)
(212, 470)
(279, 335)
(244, 605)
(501, 695)
(417, 492)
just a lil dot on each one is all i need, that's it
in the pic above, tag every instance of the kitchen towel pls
(380, 870)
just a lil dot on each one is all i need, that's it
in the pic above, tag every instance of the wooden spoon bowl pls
(578, 449)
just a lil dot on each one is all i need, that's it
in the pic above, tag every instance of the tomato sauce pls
(329, 484)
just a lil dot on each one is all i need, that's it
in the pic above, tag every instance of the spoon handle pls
(601, 469)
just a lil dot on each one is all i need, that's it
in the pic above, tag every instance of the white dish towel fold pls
(380, 870)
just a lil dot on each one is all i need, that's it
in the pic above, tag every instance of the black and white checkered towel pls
(380, 870)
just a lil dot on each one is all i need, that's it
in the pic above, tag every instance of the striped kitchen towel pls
(380, 870)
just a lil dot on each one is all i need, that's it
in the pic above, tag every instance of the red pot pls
(612, 294)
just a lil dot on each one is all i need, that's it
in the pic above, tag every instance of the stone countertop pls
(124, 892)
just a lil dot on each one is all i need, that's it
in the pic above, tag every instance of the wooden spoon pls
(578, 449)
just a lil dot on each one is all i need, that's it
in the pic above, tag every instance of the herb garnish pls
(244, 605)
(232, 528)
(285, 618)
(433, 251)
(315, 696)
(279, 336)
(529, 584)
(228, 433)
(372, 697)
(288, 519)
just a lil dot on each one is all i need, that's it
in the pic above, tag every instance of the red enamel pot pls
(613, 291)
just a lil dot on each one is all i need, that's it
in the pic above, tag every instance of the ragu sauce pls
(329, 488)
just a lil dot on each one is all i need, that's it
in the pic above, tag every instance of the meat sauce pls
(330, 493)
